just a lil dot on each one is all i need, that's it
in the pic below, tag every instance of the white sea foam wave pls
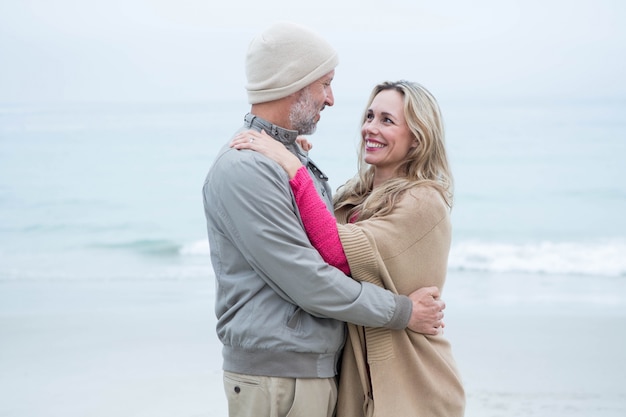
(604, 258)
(198, 247)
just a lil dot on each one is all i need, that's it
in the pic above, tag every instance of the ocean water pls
(113, 192)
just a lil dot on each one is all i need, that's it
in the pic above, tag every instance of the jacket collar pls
(285, 136)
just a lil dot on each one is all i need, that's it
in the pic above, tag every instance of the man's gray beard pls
(302, 114)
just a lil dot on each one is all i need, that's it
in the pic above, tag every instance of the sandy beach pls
(109, 349)
(146, 348)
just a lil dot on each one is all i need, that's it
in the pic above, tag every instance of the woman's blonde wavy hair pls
(426, 164)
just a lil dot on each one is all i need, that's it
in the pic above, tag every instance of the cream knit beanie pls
(284, 59)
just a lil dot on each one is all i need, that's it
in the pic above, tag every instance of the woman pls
(394, 230)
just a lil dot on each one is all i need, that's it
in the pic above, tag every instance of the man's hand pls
(427, 315)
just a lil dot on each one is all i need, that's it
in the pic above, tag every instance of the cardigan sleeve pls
(319, 223)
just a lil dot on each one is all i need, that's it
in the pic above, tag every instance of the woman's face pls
(385, 133)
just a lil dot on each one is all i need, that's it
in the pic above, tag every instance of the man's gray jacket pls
(280, 308)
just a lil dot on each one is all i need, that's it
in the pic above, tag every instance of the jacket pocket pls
(294, 319)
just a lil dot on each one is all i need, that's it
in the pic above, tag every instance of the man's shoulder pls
(241, 171)
(232, 163)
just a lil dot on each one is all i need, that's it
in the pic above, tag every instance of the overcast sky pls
(182, 50)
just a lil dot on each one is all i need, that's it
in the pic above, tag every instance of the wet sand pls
(117, 348)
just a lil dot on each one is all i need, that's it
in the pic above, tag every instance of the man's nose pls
(330, 98)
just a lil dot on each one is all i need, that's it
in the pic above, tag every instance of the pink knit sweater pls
(319, 223)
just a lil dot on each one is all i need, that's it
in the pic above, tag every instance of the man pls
(280, 308)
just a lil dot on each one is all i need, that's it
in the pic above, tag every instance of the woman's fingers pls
(245, 140)
(248, 137)
(304, 143)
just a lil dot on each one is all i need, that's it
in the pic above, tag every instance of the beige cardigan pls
(410, 374)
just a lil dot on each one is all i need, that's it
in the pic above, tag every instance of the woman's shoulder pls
(425, 196)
